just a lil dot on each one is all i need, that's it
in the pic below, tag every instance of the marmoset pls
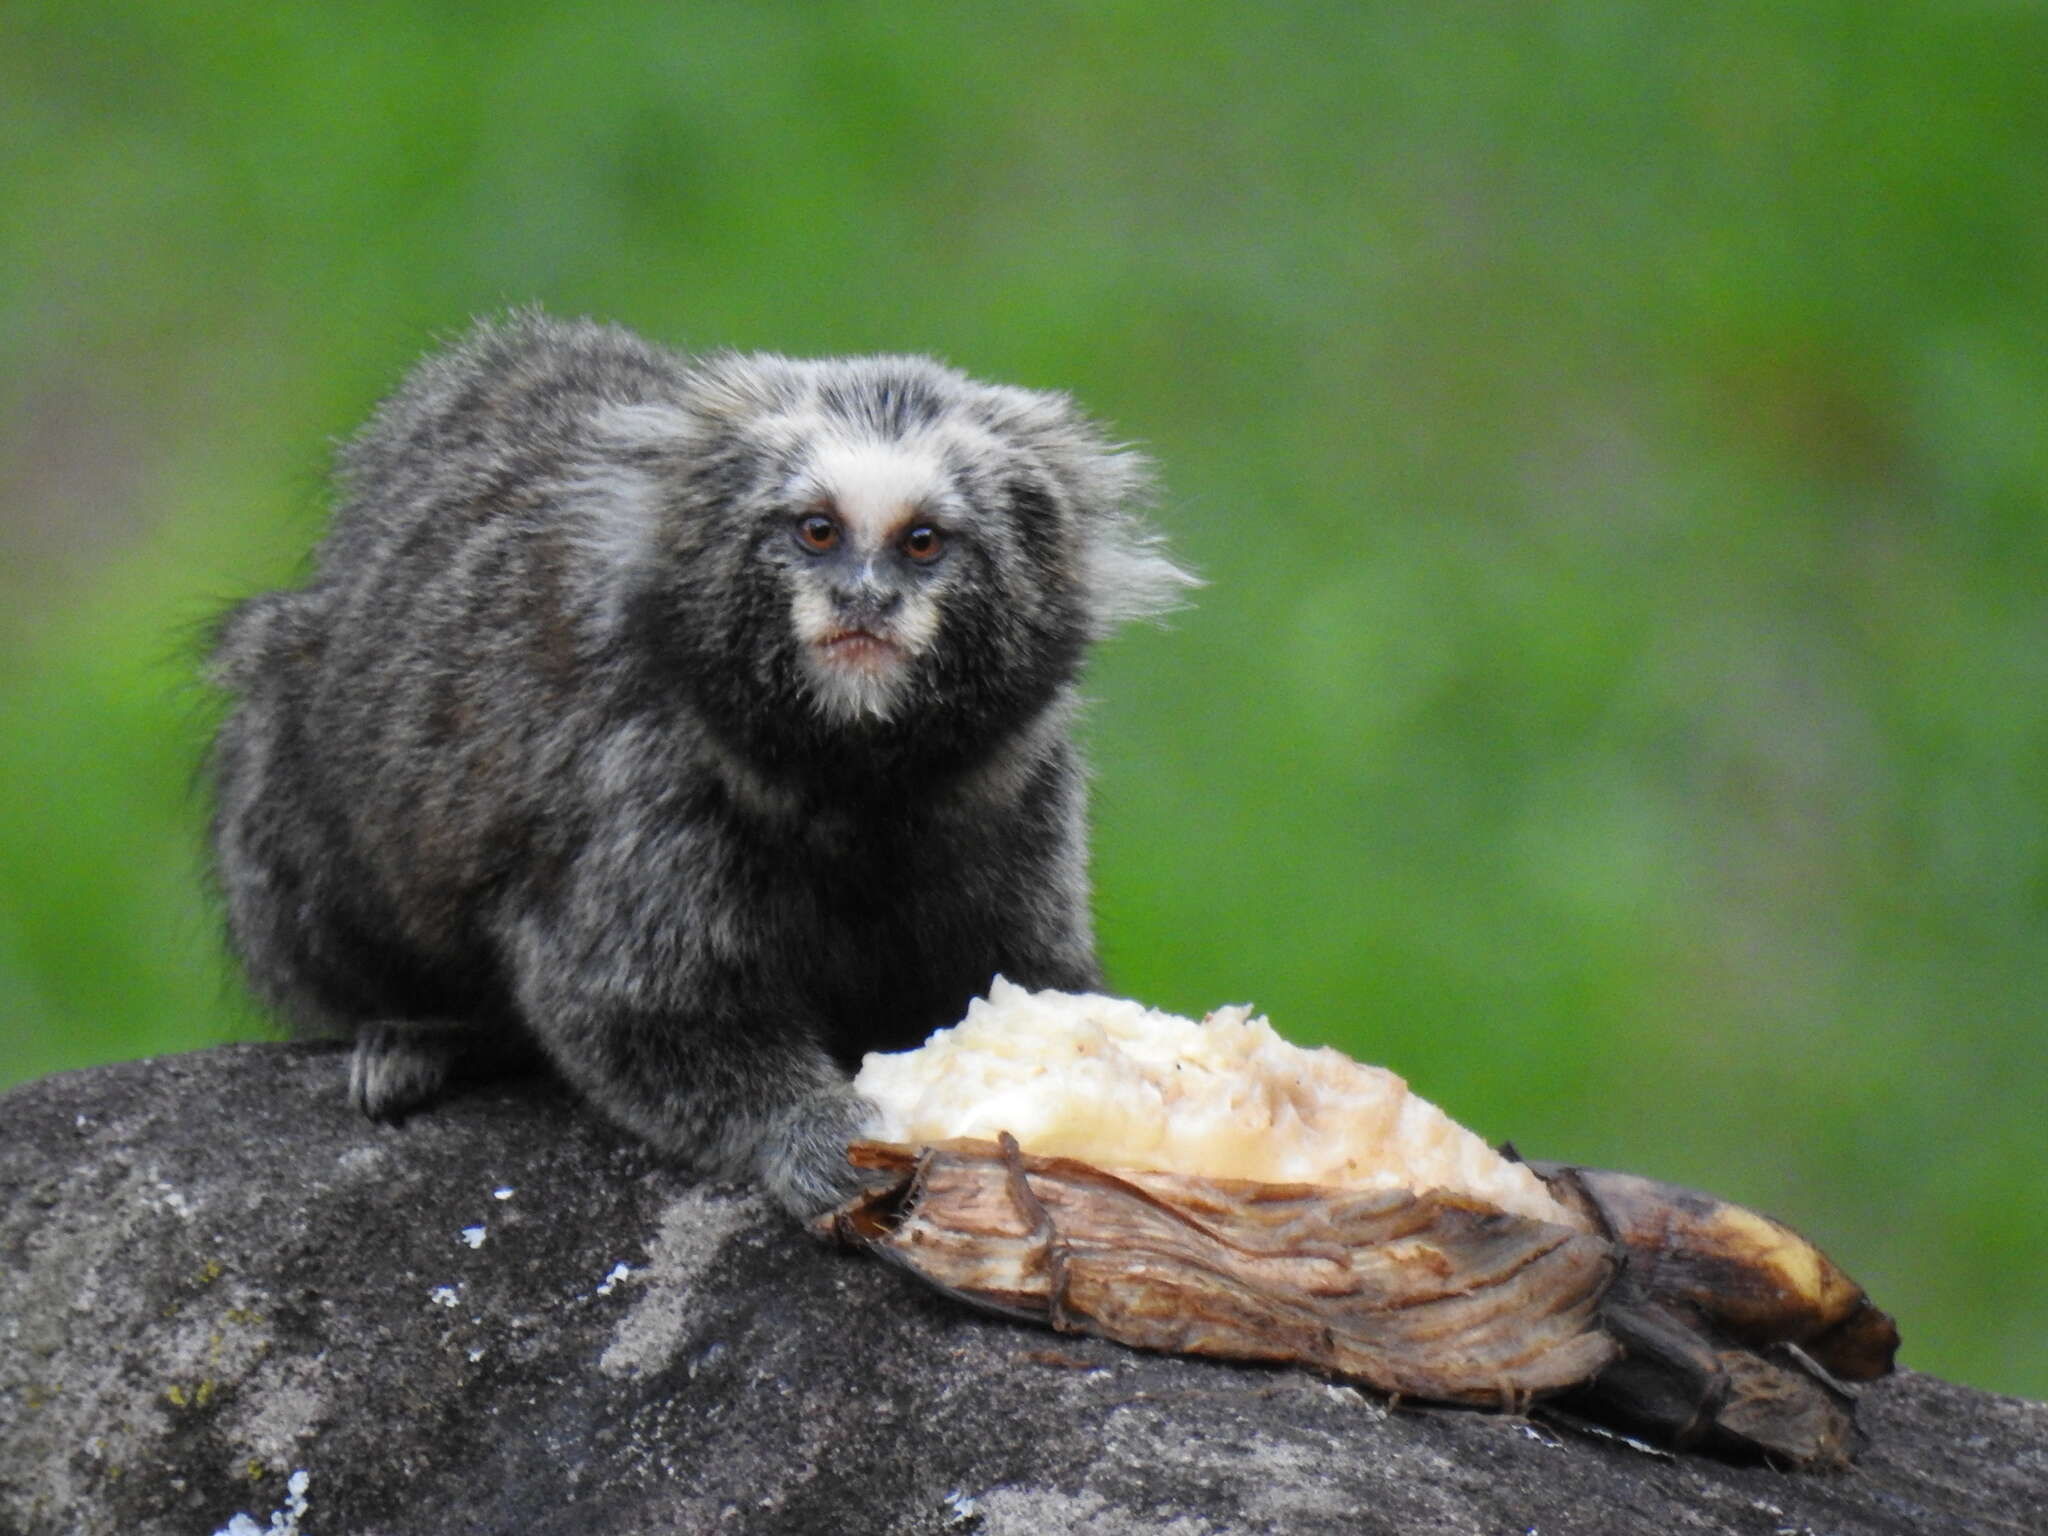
(696, 723)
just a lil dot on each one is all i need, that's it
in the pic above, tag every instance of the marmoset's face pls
(882, 549)
(878, 534)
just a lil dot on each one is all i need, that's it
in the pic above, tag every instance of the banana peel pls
(1663, 1312)
(1416, 1295)
(1738, 1335)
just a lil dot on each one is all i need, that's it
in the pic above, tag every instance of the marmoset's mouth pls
(861, 649)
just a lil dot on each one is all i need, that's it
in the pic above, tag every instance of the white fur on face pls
(877, 487)
(860, 675)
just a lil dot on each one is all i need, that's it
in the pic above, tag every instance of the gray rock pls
(226, 1298)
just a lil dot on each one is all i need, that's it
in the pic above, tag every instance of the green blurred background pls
(1614, 439)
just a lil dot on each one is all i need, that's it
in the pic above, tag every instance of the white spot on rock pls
(961, 1509)
(474, 1236)
(446, 1295)
(283, 1522)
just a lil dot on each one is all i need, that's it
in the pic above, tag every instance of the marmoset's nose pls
(865, 603)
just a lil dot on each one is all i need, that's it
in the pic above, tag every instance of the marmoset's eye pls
(924, 543)
(817, 533)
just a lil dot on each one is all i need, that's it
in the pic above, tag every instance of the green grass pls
(1614, 440)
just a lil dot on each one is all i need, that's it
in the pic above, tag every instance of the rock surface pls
(228, 1304)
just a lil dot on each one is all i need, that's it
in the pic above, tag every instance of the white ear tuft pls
(1127, 576)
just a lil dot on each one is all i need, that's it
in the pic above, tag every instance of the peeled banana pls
(1082, 1162)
